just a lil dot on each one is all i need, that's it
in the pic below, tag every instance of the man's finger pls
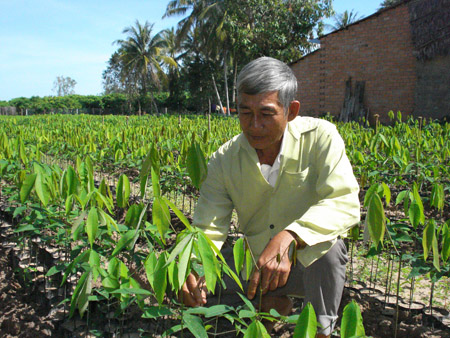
(283, 279)
(266, 275)
(275, 280)
(253, 285)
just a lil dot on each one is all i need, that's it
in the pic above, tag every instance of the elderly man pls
(289, 179)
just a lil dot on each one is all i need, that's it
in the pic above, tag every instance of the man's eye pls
(268, 113)
(244, 112)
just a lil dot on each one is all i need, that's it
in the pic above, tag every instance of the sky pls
(43, 39)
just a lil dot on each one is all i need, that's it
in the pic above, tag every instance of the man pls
(289, 179)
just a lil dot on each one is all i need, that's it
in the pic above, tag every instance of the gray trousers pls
(321, 284)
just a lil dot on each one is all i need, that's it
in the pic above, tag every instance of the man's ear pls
(294, 108)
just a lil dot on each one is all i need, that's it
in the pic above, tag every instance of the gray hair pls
(267, 74)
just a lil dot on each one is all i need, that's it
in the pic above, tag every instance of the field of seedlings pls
(96, 236)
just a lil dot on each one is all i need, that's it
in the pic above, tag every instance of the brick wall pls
(377, 50)
(433, 83)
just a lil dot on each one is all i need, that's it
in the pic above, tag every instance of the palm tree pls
(207, 17)
(388, 3)
(345, 19)
(142, 58)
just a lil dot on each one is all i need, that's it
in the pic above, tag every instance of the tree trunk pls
(154, 103)
(217, 93)
(225, 73)
(234, 81)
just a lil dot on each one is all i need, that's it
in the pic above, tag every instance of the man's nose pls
(256, 122)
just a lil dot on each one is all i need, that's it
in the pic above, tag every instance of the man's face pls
(263, 120)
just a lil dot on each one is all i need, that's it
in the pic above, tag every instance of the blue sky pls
(43, 39)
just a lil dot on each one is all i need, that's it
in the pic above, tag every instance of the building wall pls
(433, 87)
(377, 50)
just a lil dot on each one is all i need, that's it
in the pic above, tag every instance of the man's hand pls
(272, 272)
(194, 291)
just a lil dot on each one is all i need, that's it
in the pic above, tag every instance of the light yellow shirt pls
(315, 195)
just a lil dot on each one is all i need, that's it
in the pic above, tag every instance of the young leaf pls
(92, 225)
(209, 262)
(123, 242)
(183, 263)
(81, 294)
(123, 191)
(435, 253)
(160, 279)
(306, 326)
(414, 214)
(445, 253)
(429, 233)
(145, 171)
(178, 212)
(155, 183)
(376, 221)
(196, 165)
(42, 189)
(195, 325)
(27, 186)
(352, 323)
(239, 254)
(161, 216)
(256, 329)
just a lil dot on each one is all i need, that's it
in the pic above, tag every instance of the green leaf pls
(90, 174)
(370, 192)
(209, 262)
(150, 265)
(256, 329)
(81, 258)
(123, 191)
(352, 323)
(161, 216)
(183, 263)
(27, 186)
(81, 294)
(375, 219)
(437, 196)
(445, 253)
(155, 183)
(179, 214)
(401, 196)
(306, 326)
(72, 181)
(123, 242)
(92, 225)
(42, 189)
(386, 193)
(160, 279)
(145, 171)
(196, 165)
(195, 325)
(418, 200)
(153, 312)
(132, 291)
(239, 254)
(414, 214)
(435, 253)
(247, 302)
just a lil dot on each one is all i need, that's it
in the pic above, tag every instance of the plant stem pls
(397, 294)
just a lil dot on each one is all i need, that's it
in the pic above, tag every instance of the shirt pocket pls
(296, 179)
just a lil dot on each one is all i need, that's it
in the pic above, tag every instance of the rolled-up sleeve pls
(214, 207)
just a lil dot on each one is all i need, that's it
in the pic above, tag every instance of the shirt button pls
(271, 226)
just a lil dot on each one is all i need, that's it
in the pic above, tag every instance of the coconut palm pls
(345, 19)
(142, 57)
(388, 3)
